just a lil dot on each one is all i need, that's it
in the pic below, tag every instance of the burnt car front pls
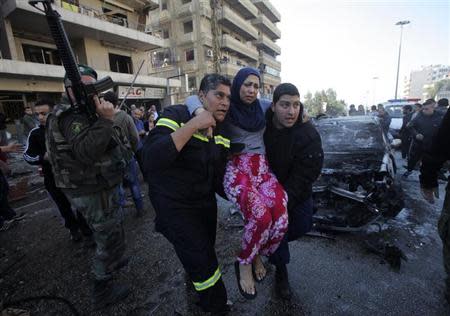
(357, 186)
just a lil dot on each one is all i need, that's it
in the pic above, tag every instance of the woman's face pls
(249, 89)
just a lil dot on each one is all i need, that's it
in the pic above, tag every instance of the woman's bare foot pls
(258, 267)
(247, 283)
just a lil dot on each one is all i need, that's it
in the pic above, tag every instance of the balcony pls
(269, 79)
(187, 38)
(157, 18)
(185, 10)
(268, 10)
(266, 26)
(267, 45)
(231, 44)
(269, 61)
(229, 69)
(245, 7)
(236, 23)
(26, 70)
(86, 22)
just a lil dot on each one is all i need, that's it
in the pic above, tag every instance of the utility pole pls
(217, 54)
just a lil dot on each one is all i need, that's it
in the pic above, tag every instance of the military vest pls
(70, 173)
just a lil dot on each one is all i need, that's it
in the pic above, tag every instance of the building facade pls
(108, 35)
(215, 35)
(419, 81)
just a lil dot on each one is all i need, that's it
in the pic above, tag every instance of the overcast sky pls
(343, 44)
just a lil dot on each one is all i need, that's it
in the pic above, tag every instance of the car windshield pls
(395, 110)
(355, 135)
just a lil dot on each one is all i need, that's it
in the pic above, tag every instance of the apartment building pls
(241, 32)
(419, 81)
(109, 35)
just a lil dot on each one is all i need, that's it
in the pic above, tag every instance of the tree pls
(324, 101)
(434, 89)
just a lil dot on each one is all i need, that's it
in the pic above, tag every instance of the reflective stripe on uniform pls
(168, 123)
(201, 286)
(220, 140)
(200, 137)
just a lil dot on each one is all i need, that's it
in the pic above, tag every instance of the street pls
(329, 276)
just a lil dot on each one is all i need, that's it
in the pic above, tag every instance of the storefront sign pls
(142, 93)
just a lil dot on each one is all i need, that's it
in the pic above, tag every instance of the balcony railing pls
(268, 9)
(242, 49)
(236, 23)
(95, 13)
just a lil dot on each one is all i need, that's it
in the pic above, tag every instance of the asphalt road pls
(329, 276)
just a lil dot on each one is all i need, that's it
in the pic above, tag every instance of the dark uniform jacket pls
(425, 125)
(295, 156)
(35, 151)
(404, 131)
(187, 179)
(434, 159)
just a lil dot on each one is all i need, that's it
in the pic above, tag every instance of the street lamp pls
(401, 23)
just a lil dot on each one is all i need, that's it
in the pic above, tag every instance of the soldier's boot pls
(282, 286)
(106, 293)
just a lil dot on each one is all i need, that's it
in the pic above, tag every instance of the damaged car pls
(357, 186)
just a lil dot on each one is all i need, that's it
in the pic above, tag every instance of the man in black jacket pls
(431, 164)
(36, 154)
(422, 128)
(295, 154)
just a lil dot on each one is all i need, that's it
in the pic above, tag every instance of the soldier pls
(88, 160)
(431, 164)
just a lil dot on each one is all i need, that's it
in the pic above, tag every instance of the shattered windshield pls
(350, 135)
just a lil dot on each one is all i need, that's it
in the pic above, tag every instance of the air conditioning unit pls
(209, 53)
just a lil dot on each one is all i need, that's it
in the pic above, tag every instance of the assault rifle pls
(83, 93)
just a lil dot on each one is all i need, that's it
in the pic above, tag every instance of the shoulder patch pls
(76, 127)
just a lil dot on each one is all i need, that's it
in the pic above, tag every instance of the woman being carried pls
(249, 183)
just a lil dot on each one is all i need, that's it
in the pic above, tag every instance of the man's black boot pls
(282, 282)
(106, 293)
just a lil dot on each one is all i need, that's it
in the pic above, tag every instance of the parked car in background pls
(395, 109)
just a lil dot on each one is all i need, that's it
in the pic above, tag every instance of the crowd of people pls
(223, 141)
(261, 155)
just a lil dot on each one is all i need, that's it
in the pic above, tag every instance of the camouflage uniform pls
(88, 160)
(431, 164)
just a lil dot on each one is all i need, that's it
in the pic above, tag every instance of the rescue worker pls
(182, 178)
(422, 129)
(295, 154)
(36, 154)
(431, 164)
(88, 160)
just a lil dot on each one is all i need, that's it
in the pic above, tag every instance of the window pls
(119, 63)
(188, 27)
(185, 1)
(190, 56)
(42, 55)
(165, 33)
(162, 58)
(164, 5)
(192, 83)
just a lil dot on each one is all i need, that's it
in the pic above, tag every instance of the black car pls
(357, 186)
